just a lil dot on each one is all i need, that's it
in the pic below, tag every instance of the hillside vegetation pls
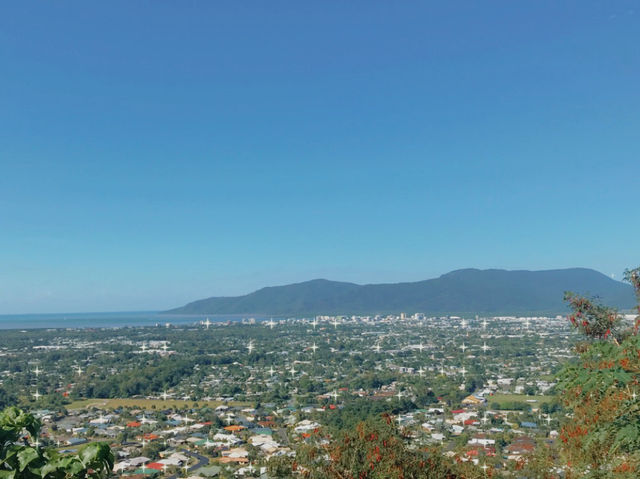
(464, 291)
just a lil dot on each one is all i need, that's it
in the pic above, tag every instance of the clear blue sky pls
(153, 153)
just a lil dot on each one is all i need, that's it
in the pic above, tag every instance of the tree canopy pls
(602, 437)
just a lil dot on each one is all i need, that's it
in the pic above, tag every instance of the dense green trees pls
(358, 410)
(156, 375)
(6, 398)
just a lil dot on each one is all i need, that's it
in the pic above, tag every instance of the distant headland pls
(490, 291)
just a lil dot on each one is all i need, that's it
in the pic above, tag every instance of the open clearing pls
(149, 403)
(507, 398)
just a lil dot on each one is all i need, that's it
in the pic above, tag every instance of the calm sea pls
(107, 320)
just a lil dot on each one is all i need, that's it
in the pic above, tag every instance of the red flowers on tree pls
(602, 392)
(591, 318)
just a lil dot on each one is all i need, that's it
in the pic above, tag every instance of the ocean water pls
(108, 320)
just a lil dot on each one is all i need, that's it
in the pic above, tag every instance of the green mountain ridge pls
(491, 291)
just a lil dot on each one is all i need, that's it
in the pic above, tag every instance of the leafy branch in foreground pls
(21, 456)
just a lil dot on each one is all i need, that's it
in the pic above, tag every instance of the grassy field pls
(507, 398)
(149, 403)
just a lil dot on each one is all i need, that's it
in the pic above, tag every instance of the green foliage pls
(359, 410)
(157, 375)
(6, 398)
(376, 449)
(280, 466)
(152, 449)
(602, 391)
(22, 458)
(632, 276)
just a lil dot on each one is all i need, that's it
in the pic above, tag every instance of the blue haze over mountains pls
(491, 291)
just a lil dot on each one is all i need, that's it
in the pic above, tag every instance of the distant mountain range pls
(491, 291)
